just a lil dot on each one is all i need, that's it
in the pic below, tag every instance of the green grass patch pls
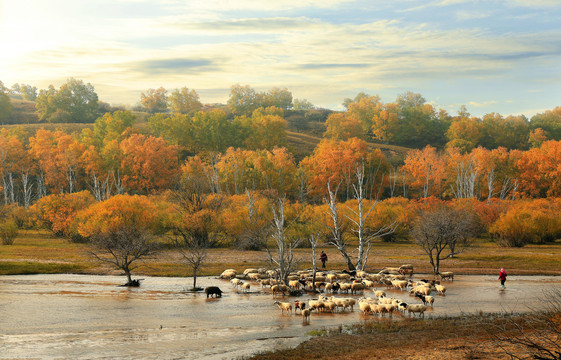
(32, 267)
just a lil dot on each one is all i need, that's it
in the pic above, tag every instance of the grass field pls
(41, 252)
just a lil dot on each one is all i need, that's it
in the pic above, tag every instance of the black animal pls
(422, 297)
(352, 272)
(213, 290)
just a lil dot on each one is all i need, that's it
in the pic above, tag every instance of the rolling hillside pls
(301, 143)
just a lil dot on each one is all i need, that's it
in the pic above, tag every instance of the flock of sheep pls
(330, 284)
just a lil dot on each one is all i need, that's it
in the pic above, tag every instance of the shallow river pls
(91, 317)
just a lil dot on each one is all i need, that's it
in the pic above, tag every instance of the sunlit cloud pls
(127, 46)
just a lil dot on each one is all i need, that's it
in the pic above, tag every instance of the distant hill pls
(23, 112)
(303, 145)
(303, 135)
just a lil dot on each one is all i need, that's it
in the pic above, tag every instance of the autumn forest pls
(214, 172)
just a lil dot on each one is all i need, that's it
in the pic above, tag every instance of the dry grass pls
(465, 337)
(484, 258)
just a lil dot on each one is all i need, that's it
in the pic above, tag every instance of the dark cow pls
(213, 290)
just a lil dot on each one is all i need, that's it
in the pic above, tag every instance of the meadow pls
(35, 252)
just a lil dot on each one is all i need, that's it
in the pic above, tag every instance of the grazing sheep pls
(400, 284)
(426, 299)
(235, 282)
(249, 271)
(446, 275)
(213, 290)
(379, 293)
(349, 302)
(364, 307)
(299, 305)
(402, 307)
(316, 304)
(355, 287)
(362, 274)
(276, 288)
(228, 274)
(329, 305)
(245, 287)
(339, 302)
(421, 289)
(306, 315)
(284, 306)
(368, 283)
(344, 276)
(253, 276)
(417, 308)
(344, 287)
(441, 289)
(295, 284)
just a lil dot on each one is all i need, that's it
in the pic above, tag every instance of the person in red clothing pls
(323, 259)
(502, 277)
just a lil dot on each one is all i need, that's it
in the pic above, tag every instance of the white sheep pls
(249, 271)
(306, 315)
(416, 308)
(228, 274)
(364, 307)
(421, 289)
(295, 284)
(284, 306)
(400, 284)
(253, 276)
(235, 282)
(379, 293)
(316, 304)
(446, 275)
(245, 286)
(355, 287)
(440, 288)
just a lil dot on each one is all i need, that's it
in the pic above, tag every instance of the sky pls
(491, 55)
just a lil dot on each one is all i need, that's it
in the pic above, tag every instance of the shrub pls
(533, 221)
(8, 232)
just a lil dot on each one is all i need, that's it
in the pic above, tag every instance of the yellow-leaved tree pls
(121, 230)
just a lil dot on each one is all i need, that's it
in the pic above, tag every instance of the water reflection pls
(78, 316)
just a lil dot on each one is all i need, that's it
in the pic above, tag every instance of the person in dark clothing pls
(502, 277)
(323, 259)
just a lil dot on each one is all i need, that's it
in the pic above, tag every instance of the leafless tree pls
(466, 177)
(123, 247)
(193, 253)
(393, 181)
(443, 232)
(509, 186)
(27, 189)
(9, 194)
(337, 227)
(314, 242)
(490, 185)
(282, 259)
(359, 218)
(41, 186)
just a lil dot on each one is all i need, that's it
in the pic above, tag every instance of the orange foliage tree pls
(121, 230)
(60, 159)
(336, 162)
(426, 170)
(58, 212)
(530, 221)
(148, 163)
(539, 170)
